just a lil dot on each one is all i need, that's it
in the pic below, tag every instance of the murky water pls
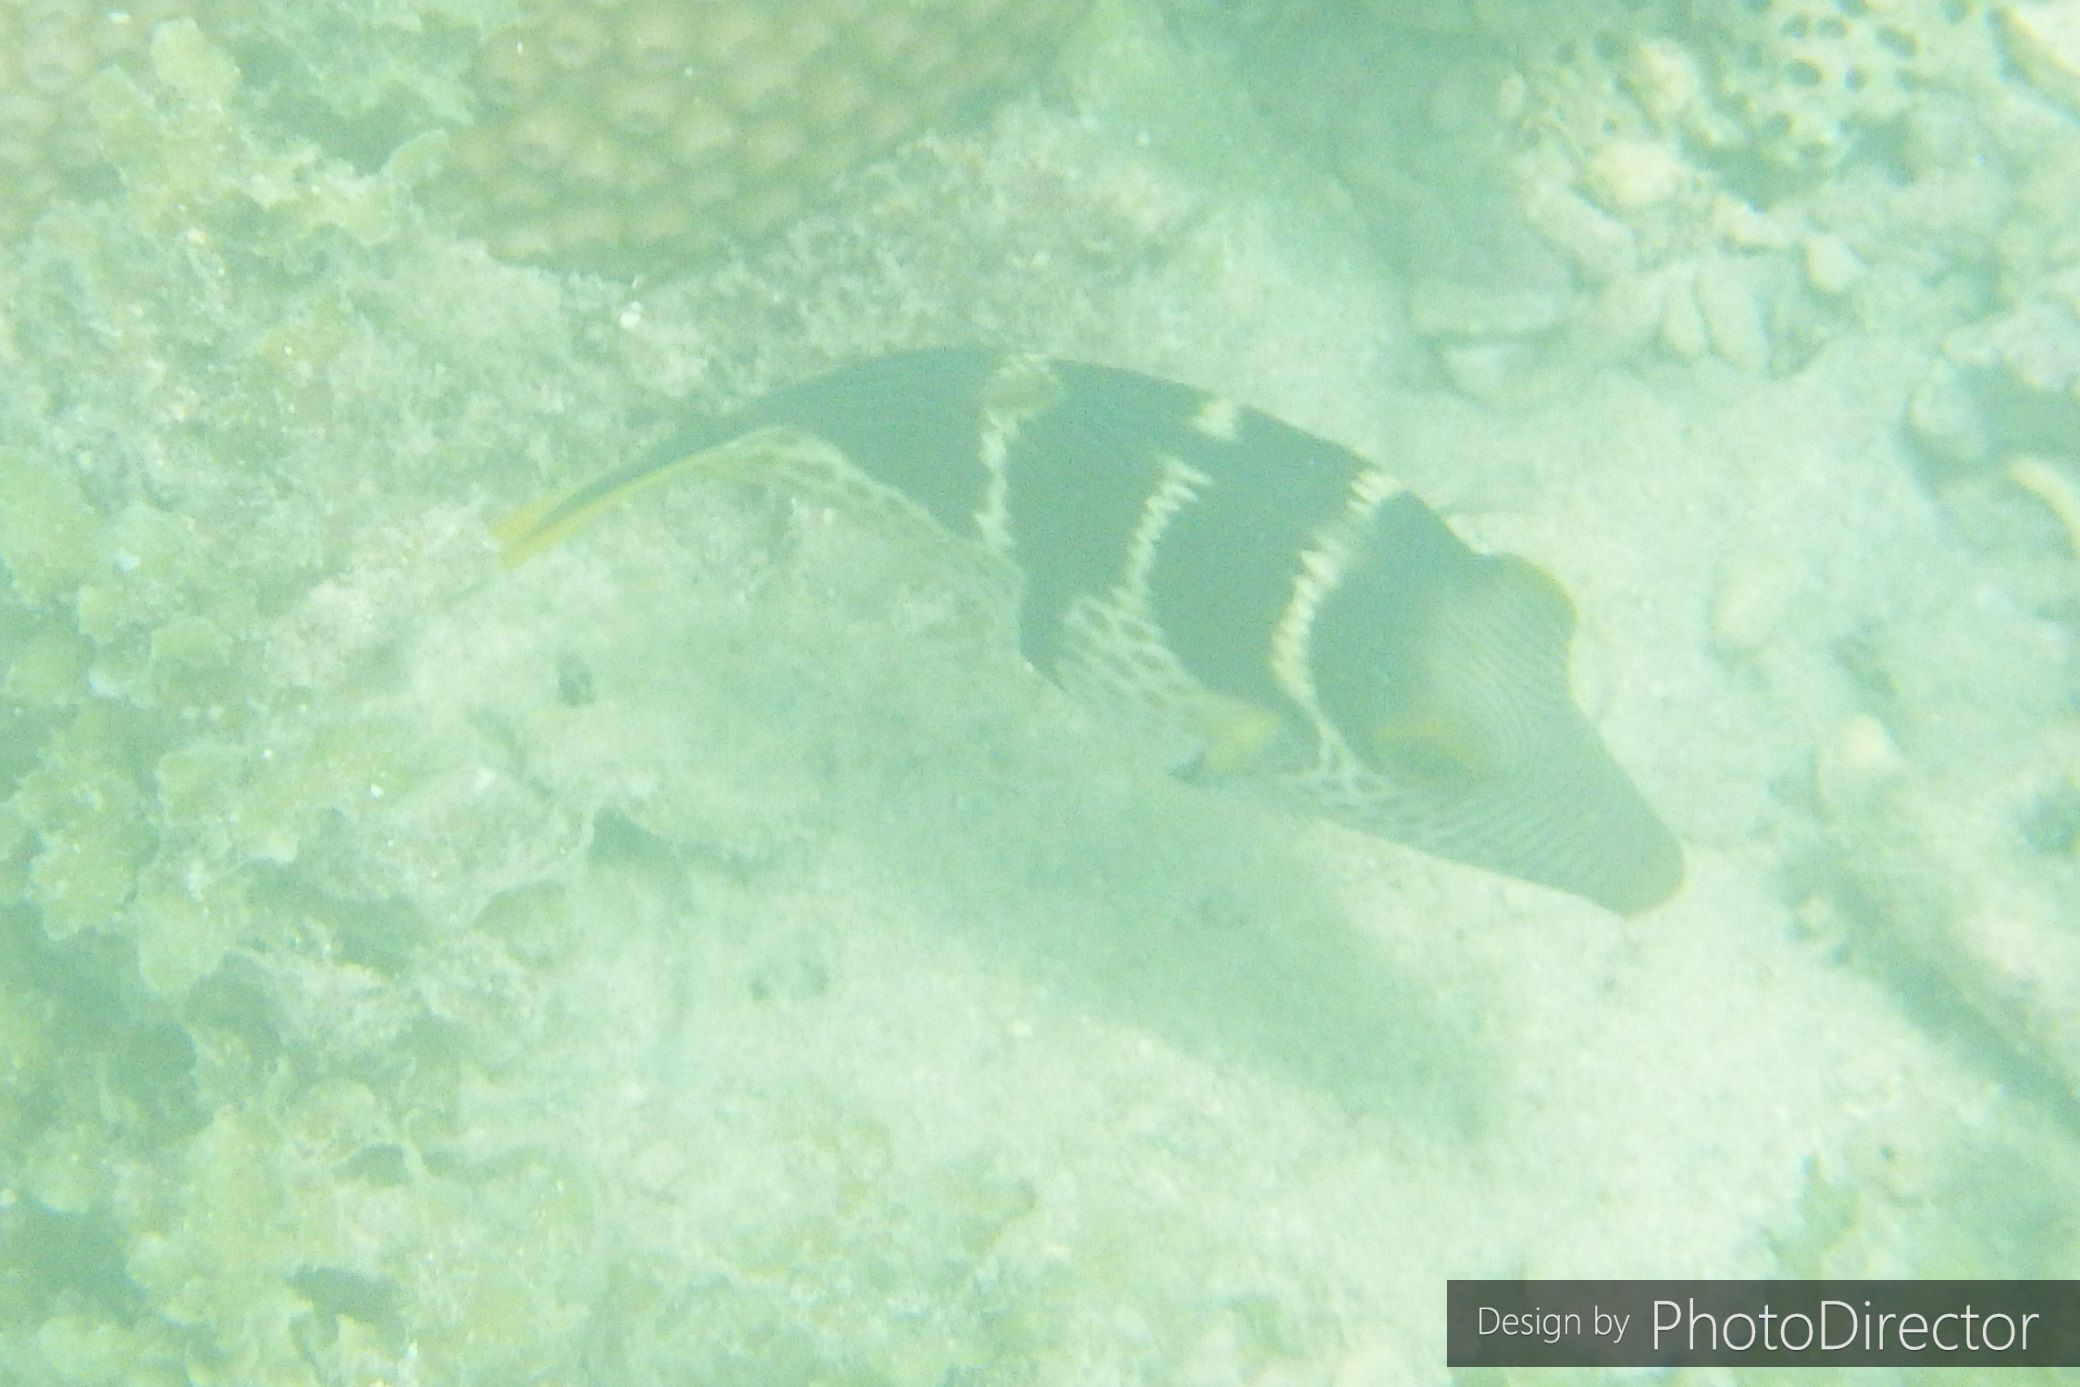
(739, 946)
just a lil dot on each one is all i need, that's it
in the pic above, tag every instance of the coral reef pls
(1808, 80)
(1599, 180)
(173, 851)
(618, 136)
(340, 915)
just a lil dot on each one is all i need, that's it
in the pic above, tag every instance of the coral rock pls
(48, 50)
(1807, 75)
(615, 136)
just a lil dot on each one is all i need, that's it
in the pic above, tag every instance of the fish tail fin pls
(546, 522)
(536, 526)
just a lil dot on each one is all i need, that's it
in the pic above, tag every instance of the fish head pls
(1458, 711)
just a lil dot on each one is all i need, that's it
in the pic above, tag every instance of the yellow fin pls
(1242, 738)
(523, 533)
(1430, 745)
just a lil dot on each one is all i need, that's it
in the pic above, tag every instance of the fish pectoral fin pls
(1429, 745)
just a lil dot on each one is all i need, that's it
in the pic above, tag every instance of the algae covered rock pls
(50, 536)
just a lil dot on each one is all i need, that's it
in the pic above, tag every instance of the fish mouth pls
(1586, 829)
(1566, 816)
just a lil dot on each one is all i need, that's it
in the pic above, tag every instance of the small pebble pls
(1857, 764)
(1752, 601)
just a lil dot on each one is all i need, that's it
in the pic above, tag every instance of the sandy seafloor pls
(743, 969)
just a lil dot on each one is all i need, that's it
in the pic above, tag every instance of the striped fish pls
(1274, 601)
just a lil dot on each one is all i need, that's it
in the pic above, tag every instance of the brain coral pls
(616, 130)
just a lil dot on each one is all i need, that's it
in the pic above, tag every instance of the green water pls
(709, 953)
